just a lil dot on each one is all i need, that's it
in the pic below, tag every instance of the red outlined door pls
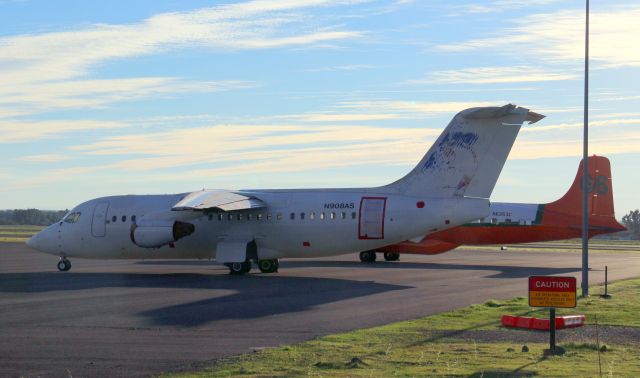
(371, 219)
(99, 221)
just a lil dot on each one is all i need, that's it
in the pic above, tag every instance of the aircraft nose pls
(43, 241)
(33, 241)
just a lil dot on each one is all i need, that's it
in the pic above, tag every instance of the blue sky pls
(135, 97)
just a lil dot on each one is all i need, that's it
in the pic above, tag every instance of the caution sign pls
(549, 291)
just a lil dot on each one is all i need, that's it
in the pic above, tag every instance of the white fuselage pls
(296, 223)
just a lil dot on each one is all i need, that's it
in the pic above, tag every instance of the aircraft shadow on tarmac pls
(252, 296)
(505, 271)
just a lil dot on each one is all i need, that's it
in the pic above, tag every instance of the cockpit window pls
(72, 217)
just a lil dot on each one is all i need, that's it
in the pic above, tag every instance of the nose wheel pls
(64, 264)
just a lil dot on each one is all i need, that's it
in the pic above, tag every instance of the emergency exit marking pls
(549, 291)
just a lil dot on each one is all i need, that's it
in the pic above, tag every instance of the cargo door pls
(371, 219)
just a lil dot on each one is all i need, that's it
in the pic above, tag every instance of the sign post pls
(552, 292)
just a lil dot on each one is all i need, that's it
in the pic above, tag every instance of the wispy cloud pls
(421, 108)
(346, 67)
(502, 5)
(44, 158)
(559, 37)
(494, 75)
(12, 131)
(37, 66)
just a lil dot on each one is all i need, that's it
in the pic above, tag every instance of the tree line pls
(632, 222)
(31, 217)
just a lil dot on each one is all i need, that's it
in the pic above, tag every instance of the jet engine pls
(156, 233)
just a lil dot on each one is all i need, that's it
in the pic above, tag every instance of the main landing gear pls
(370, 256)
(268, 266)
(388, 256)
(64, 264)
(265, 266)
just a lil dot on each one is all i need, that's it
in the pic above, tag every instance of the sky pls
(141, 97)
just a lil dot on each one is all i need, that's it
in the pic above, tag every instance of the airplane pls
(513, 223)
(451, 185)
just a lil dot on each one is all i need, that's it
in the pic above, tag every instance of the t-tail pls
(567, 210)
(467, 158)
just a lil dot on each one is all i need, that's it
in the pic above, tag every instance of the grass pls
(17, 233)
(416, 348)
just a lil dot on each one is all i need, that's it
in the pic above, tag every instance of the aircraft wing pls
(218, 199)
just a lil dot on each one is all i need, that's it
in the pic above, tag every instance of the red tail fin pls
(568, 209)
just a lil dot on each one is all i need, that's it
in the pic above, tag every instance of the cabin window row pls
(123, 218)
(278, 216)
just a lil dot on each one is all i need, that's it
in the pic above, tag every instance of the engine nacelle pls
(156, 233)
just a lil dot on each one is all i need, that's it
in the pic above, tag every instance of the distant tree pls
(31, 216)
(632, 222)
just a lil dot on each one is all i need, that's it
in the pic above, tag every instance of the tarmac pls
(141, 318)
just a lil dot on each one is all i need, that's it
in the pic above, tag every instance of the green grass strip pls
(409, 348)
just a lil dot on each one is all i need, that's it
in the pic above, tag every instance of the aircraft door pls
(371, 219)
(99, 221)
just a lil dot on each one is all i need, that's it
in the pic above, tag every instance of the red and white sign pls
(550, 291)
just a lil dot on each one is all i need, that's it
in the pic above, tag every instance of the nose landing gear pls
(64, 264)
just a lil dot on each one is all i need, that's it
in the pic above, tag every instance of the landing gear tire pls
(64, 265)
(268, 266)
(239, 268)
(368, 256)
(388, 256)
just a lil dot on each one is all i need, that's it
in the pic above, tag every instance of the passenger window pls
(114, 219)
(219, 216)
(292, 216)
(133, 218)
(321, 215)
(343, 215)
(312, 215)
(210, 216)
(259, 217)
(249, 216)
(124, 218)
(239, 216)
(333, 215)
(353, 215)
(268, 216)
(279, 216)
(230, 216)
(301, 215)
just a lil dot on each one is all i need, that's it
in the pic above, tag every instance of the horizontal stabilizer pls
(217, 199)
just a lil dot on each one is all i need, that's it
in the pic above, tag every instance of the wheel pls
(64, 265)
(238, 268)
(268, 266)
(368, 256)
(388, 256)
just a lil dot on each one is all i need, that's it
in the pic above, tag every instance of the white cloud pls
(347, 67)
(44, 158)
(494, 75)
(559, 37)
(414, 107)
(34, 67)
(12, 131)
(28, 98)
(502, 5)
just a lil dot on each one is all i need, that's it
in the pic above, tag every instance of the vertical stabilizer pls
(467, 158)
(601, 211)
